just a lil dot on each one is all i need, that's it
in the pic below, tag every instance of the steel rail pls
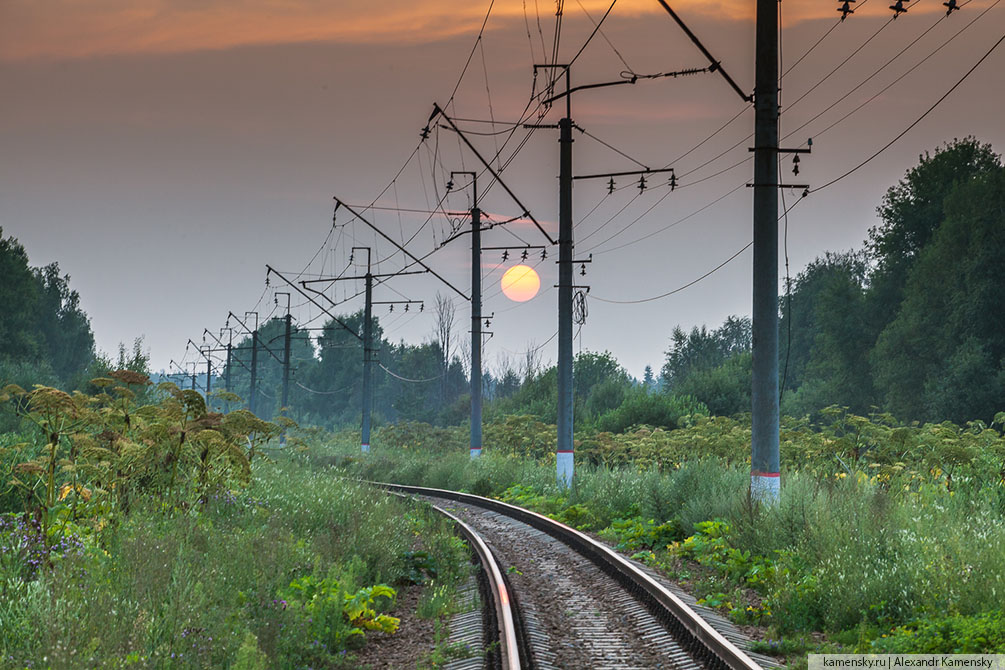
(693, 633)
(505, 619)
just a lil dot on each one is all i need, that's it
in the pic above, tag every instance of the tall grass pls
(186, 589)
(848, 553)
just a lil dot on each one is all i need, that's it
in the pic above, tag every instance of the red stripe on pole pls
(565, 451)
(755, 473)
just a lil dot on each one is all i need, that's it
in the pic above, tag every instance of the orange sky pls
(72, 29)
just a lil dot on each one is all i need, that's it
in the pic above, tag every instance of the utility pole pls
(367, 355)
(254, 370)
(369, 350)
(229, 349)
(205, 351)
(209, 376)
(254, 357)
(564, 456)
(286, 365)
(476, 316)
(230, 343)
(764, 458)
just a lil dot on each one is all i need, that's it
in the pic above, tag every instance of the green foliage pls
(826, 337)
(188, 589)
(104, 450)
(656, 409)
(702, 350)
(437, 601)
(947, 337)
(43, 325)
(336, 618)
(724, 389)
(981, 634)
(880, 524)
(249, 656)
(635, 534)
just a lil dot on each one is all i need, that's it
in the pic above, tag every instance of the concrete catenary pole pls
(476, 321)
(286, 370)
(564, 457)
(367, 358)
(254, 371)
(764, 461)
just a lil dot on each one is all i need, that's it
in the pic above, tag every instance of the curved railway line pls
(555, 598)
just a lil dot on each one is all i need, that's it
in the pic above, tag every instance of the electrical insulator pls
(506, 255)
(846, 9)
(795, 165)
(425, 133)
(610, 186)
(406, 306)
(642, 183)
(392, 308)
(582, 269)
(450, 185)
(951, 5)
(898, 8)
(544, 254)
(523, 256)
(673, 181)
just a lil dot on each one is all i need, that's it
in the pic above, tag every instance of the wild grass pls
(168, 587)
(859, 556)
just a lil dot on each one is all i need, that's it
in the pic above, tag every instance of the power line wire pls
(916, 121)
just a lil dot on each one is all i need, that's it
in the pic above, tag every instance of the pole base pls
(365, 448)
(565, 465)
(765, 487)
(475, 453)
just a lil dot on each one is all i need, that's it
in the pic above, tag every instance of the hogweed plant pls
(97, 453)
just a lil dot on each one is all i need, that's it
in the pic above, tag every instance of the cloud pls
(61, 29)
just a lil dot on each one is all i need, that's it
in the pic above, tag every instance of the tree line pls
(913, 324)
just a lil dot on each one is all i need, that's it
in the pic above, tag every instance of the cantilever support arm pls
(714, 63)
(402, 249)
(255, 337)
(438, 111)
(337, 320)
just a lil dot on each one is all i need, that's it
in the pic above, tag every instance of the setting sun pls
(520, 283)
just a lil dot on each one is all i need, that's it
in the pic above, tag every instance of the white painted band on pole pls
(475, 453)
(765, 487)
(365, 447)
(564, 462)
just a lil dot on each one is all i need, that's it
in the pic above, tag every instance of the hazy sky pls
(164, 152)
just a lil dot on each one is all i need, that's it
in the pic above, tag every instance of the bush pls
(658, 409)
(982, 634)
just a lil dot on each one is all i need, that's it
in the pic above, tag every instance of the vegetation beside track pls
(137, 529)
(887, 537)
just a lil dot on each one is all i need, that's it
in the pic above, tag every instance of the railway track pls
(556, 598)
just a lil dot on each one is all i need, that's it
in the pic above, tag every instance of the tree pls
(648, 380)
(911, 213)
(44, 335)
(19, 339)
(702, 350)
(825, 339)
(941, 356)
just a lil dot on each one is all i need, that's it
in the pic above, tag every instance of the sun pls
(520, 283)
